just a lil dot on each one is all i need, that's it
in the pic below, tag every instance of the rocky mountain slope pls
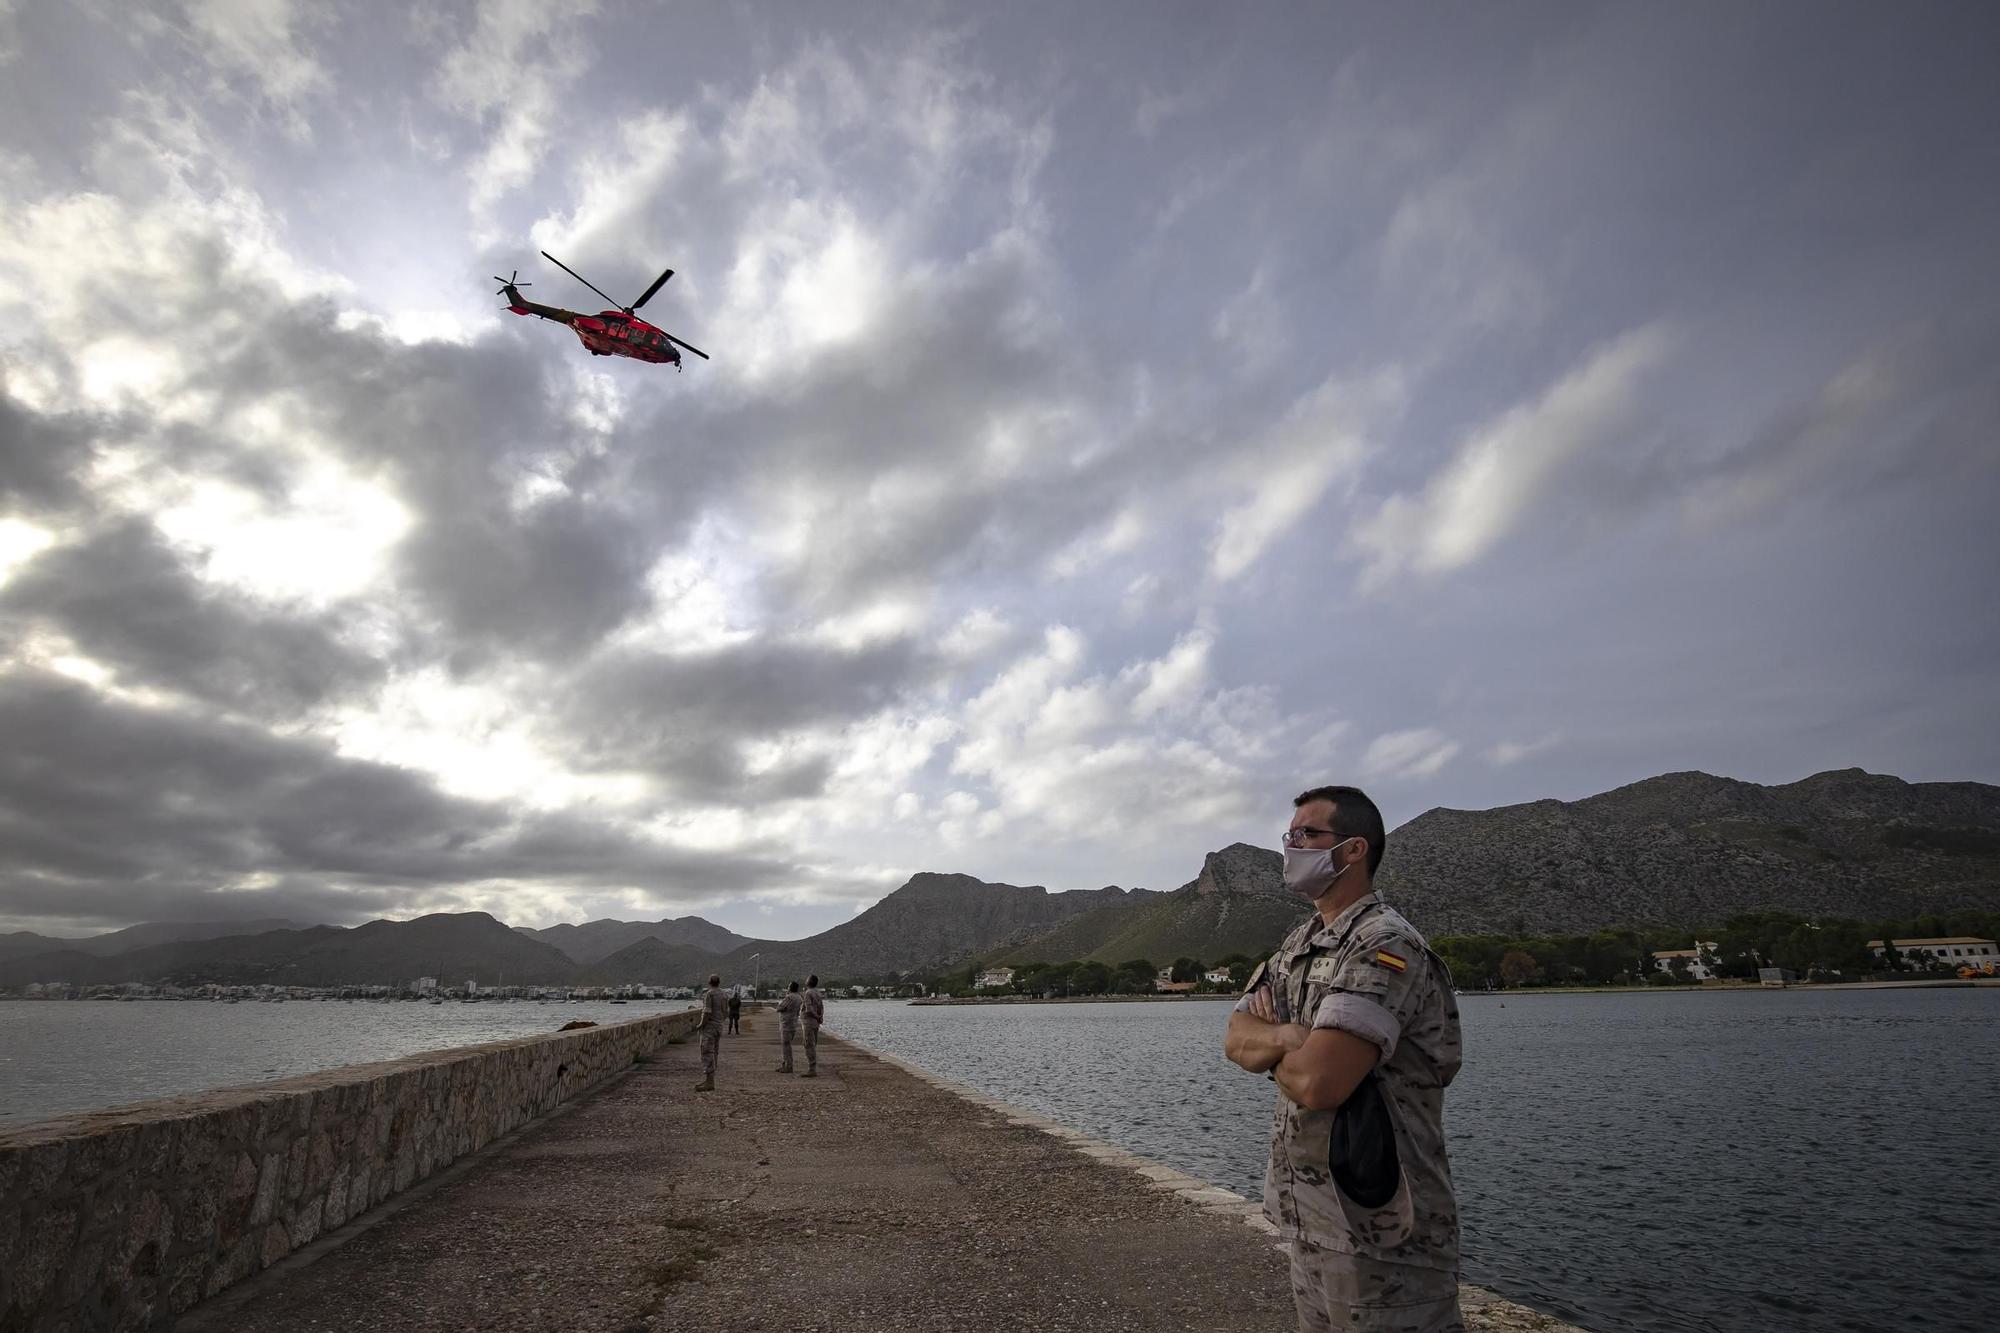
(594, 941)
(1237, 904)
(1681, 850)
(452, 946)
(934, 920)
(21, 943)
(1689, 849)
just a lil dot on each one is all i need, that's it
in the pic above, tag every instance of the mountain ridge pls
(1679, 850)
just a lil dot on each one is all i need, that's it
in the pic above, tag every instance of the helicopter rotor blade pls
(514, 281)
(578, 276)
(658, 283)
(690, 346)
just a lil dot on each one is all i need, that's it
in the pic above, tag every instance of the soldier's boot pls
(812, 1071)
(706, 1085)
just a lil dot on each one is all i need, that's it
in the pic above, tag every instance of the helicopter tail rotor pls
(508, 284)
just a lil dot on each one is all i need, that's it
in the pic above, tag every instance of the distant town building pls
(1776, 976)
(1216, 976)
(1164, 986)
(1663, 960)
(994, 976)
(1962, 950)
(425, 985)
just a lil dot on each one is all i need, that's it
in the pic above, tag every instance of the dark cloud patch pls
(109, 810)
(457, 431)
(128, 602)
(956, 395)
(40, 457)
(685, 718)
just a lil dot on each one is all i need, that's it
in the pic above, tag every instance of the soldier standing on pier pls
(1354, 1017)
(714, 1012)
(788, 1025)
(814, 1013)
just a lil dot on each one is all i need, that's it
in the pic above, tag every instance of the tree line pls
(1814, 949)
(1135, 976)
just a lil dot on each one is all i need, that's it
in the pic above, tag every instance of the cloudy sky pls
(1121, 417)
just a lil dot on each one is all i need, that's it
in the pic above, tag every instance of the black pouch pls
(1362, 1154)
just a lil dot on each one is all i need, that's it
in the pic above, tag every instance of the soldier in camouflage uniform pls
(788, 1024)
(1356, 1020)
(812, 1013)
(714, 1012)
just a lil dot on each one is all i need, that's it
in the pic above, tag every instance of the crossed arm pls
(1319, 1068)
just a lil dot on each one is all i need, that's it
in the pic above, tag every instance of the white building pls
(1216, 976)
(1957, 950)
(425, 985)
(1663, 960)
(994, 976)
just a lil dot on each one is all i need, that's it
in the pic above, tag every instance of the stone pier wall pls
(112, 1220)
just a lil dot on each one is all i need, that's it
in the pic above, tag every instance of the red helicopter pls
(612, 333)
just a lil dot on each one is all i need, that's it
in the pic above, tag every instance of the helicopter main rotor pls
(644, 297)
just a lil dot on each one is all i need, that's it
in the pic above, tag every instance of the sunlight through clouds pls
(1111, 430)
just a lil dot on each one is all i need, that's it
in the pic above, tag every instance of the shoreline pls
(1070, 999)
(1747, 987)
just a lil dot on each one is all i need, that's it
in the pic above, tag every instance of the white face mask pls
(1309, 871)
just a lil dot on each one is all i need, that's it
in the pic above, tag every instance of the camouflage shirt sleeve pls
(1258, 977)
(1376, 990)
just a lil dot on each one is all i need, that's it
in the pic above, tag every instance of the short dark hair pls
(714, 980)
(813, 980)
(1354, 816)
(795, 985)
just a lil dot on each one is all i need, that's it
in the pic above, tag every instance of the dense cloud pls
(1113, 428)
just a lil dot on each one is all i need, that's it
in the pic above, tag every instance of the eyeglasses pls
(1298, 837)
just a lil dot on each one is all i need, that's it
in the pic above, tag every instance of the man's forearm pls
(1254, 1044)
(1295, 1081)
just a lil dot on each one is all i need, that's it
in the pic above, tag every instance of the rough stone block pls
(238, 1263)
(306, 1222)
(184, 1286)
(200, 1209)
(143, 1243)
(295, 1169)
(269, 1178)
(319, 1162)
(276, 1244)
(153, 1146)
(11, 1244)
(236, 1195)
(48, 1245)
(82, 1272)
(94, 1155)
(42, 1168)
(274, 1117)
(194, 1146)
(336, 1197)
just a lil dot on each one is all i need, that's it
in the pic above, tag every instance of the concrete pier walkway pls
(864, 1199)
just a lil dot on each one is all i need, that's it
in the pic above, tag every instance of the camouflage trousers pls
(711, 1045)
(1336, 1291)
(812, 1046)
(787, 1033)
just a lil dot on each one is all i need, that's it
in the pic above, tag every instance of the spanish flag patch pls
(1383, 958)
